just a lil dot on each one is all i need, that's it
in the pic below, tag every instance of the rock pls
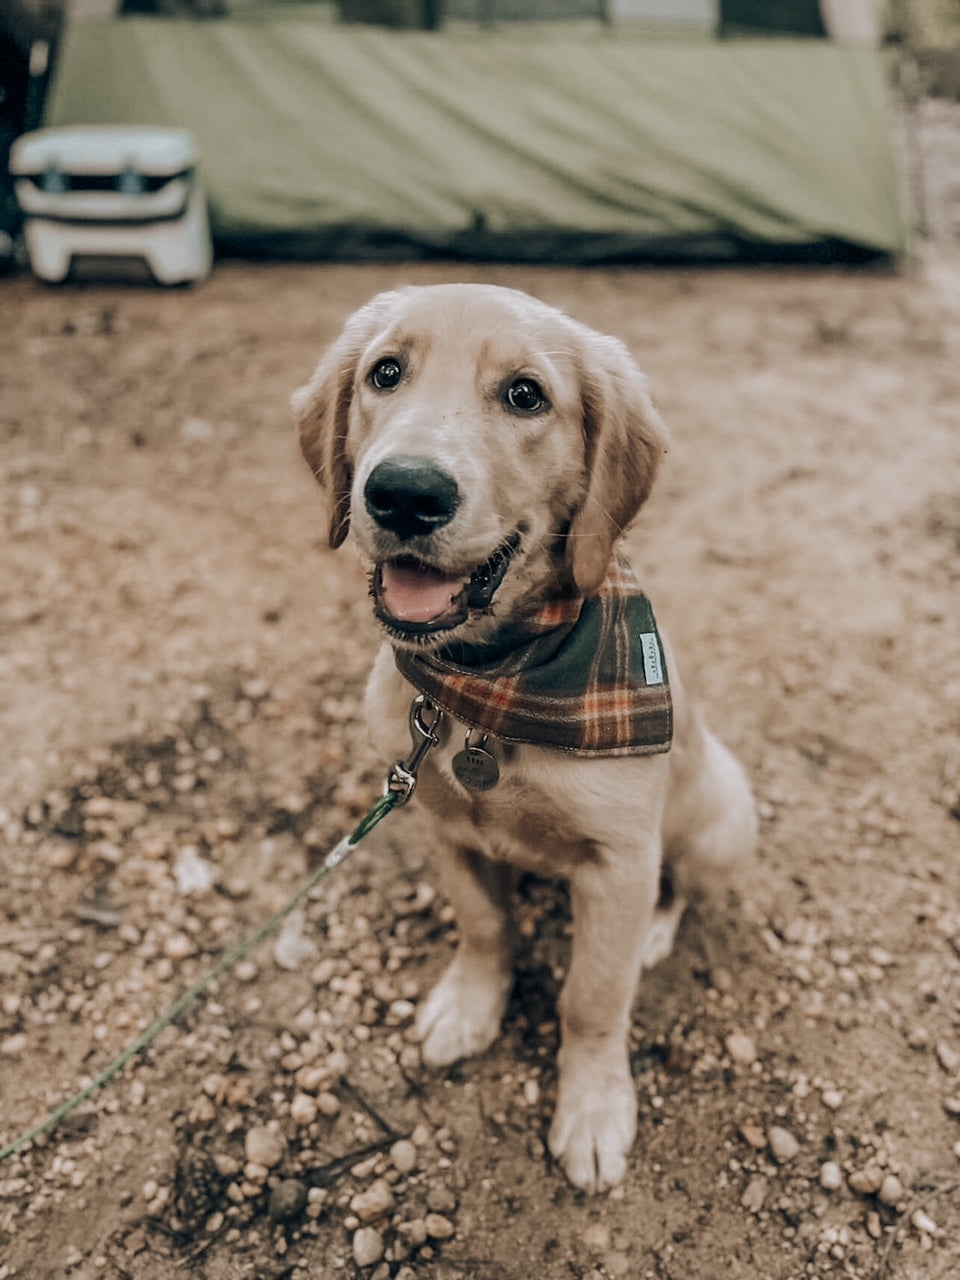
(441, 1199)
(740, 1048)
(438, 1227)
(197, 430)
(597, 1236)
(226, 1165)
(375, 1202)
(367, 1246)
(14, 1045)
(783, 1145)
(303, 1109)
(287, 1199)
(948, 1057)
(831, 1177)
(891, 1190)
(832, 1099)
(178, 946)
(403, 1155)
(263, 1146)
(923, 1223)
(755, 1194)
(414, 1232)
(328, 1104)
(754, 1136)
(867, 1181)
(193, 873)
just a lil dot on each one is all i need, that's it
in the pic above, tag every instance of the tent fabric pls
(533, 143)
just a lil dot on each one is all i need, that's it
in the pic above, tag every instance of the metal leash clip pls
(402, 778)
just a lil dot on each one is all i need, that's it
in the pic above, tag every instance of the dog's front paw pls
(462, 1014)
(593, 1130)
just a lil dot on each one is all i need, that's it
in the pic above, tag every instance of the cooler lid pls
(104, 149)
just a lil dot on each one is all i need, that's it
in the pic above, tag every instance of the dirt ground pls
(181, 662)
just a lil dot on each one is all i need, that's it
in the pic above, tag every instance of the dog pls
(488, 451)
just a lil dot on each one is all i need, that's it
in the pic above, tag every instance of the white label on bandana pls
(652, 666)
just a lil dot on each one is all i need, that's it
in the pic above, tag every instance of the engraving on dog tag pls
(475, 767)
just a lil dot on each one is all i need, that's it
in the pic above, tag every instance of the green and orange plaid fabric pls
(585, 676)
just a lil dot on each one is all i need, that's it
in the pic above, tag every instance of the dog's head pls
(486, 450)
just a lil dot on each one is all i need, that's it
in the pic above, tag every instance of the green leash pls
(425, 719)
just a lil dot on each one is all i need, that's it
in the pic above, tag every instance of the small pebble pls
(832, 1099)
(14, 1045)
(755, 1194)
(415, 1232)
(375, 1202)
(948, 1057)
(741, 1048)
(923, 1223)
(328, 1104)
(263, 1146)
(303, 1109)
(891, 1190)
(367, 1246)
(438, 1227)
(177, 946)
(597, 1236)
(831, 1177)
(403, 1155)
(441, 1199)
(783, 1145)
(227, 1166)
(754, 1136)
(867, 1181)
(287, 1199)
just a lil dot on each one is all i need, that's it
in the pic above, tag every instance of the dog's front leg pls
(462, 1014)
(596, 1116)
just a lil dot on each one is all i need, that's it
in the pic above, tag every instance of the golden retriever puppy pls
(488, 451)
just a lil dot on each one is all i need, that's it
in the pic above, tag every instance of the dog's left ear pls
(625, 441)
(322, 410)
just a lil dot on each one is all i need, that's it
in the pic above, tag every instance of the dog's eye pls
(526, 396)
(386, 373)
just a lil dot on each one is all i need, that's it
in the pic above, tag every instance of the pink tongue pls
(414, 593)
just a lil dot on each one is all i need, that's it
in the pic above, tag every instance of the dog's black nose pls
(411, 496)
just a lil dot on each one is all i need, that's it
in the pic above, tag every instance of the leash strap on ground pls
(400, 785)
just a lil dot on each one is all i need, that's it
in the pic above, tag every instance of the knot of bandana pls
(585, 676)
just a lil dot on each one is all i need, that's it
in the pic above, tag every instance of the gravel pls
(368, 1246)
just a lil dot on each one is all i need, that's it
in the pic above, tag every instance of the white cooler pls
(112, 192)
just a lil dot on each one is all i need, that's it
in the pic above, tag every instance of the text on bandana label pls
(652, 666)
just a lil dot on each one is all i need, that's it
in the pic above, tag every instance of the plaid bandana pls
(585, 676)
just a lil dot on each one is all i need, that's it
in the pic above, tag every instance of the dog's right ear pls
(322, 410)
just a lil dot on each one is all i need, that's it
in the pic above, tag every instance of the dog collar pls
(584, 676)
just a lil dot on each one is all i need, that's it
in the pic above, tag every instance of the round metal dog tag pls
(476, 768)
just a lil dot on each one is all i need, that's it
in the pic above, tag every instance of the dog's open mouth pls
(414, 598)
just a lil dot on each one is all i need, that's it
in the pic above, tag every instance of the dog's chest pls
(548, 812)
(516, 821)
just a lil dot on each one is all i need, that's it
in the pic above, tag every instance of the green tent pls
(567, 142)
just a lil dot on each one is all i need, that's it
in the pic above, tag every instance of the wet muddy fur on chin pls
(486, 452)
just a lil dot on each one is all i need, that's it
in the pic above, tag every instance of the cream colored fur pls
(571, 479)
